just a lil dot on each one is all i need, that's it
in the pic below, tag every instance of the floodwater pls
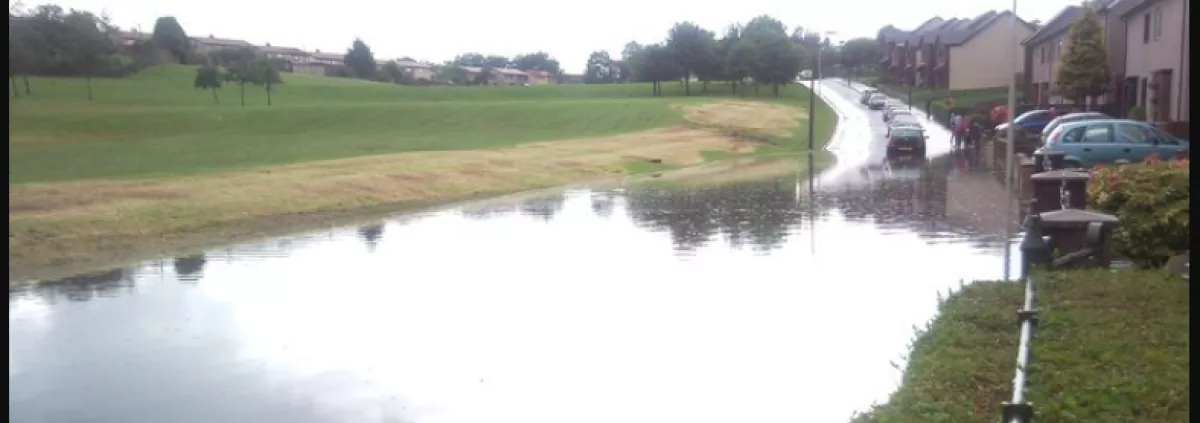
(768, 301)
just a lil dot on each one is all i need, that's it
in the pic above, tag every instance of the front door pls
(1162, 108)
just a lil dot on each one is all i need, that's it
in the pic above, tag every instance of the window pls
(1073, 135)
(1136, 134)
(1032, 115)
(1042, 54)
(1158, 23)
(1146, 29)
(1102, 133)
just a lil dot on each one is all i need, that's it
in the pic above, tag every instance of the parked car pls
(905, 121)
(1032, 121)
(866, 96)
(877, 101)
(1089, 142)
(891, 112)
(1071, 117)
(906, 142)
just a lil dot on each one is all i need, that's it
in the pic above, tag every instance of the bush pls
(1152, 201)
(1137, 113)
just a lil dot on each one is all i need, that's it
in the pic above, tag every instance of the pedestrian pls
(954, 119)
(1053, 112)
(929, 108)
(974, 133)
(960, 131)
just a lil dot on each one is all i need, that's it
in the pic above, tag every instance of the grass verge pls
(1111, 346)
(143, 171)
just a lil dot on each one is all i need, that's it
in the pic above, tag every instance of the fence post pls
(1034, 250)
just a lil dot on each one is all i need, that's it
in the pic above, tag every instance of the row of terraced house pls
(1148, 42)
(332, 63)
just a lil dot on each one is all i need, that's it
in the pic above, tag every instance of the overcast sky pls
(568, 30)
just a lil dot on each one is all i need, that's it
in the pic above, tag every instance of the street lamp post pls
(1009, 216)
(812, 96)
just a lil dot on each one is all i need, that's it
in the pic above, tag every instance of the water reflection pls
(370, 235)
(190, 268)
(642, 304)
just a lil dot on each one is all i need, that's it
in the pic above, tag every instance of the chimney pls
(268, 44)
(210, 36)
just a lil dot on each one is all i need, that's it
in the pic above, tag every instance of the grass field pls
(153, 166)
(1111, 346)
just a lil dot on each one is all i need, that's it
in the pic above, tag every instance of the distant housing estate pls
(328, 64)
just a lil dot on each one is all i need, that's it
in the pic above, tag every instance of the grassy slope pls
(1112, 346)
(154, 124)
(152, 166)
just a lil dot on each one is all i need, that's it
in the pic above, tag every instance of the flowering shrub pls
(1151, 199)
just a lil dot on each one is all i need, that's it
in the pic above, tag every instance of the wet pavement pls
(769, 301)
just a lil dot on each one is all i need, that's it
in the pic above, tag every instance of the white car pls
(877, 101)
(892, 111)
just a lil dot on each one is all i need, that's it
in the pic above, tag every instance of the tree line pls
(47, 40)
(759, 52)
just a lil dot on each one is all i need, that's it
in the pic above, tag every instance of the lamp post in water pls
(1009, 174)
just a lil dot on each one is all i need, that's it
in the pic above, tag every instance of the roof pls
(328, 56)
(282, 50)
(952, 31)
(221, 42)
(1063, 20)
(134, 35)
(507, 71)
(1129, 7)
(412, 64)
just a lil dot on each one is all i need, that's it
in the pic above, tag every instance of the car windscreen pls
(1029, 115)
(877, 97)
(907, 134)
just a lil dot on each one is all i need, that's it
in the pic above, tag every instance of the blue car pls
(1032, 121)
(1089, 142)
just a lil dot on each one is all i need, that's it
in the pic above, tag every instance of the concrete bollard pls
(1047, 185)
(1034, 250)
(1068, 232)
(1044, 161)
(1024, 174)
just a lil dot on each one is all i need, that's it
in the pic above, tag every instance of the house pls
(329, 63)
(1044, 50)
(956, 54)
(1157, 60)
(298, 61)
(540, 77)
(205, 45)
(128, 38)
(499, 76)
(417, 71)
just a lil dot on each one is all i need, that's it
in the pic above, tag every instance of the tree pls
(475, 60)
(495, 61)
(22, 42)
(1083, 71)
(208, 77)
(599, 69)
(860, 54)
(452, 72)
(391, 72)
(169, 35)
(658, 64)
(537, 61)
(736, 57)
(90, 48)
(265, 73)
(693, 49)
(360, 60)
(631, 56)
(777, 59)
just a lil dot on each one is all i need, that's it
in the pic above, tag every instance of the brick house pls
(956, 54)
(298, 61)
(1157, 60)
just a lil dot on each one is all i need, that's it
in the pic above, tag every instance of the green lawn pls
(155, 124)
(1111, 346)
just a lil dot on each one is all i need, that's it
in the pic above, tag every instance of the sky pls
(437, 31)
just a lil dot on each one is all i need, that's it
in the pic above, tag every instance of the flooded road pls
(766, 301)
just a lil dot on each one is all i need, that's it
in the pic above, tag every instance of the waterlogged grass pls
(1112, 346)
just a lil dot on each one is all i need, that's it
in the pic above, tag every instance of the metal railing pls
(1019, 410)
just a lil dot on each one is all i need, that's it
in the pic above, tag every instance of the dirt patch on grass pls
(65, 224)
(767, 118)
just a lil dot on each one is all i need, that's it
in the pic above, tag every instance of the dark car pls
(906, 142)
(1071, 117)
(877, 101)
(1031, 121)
